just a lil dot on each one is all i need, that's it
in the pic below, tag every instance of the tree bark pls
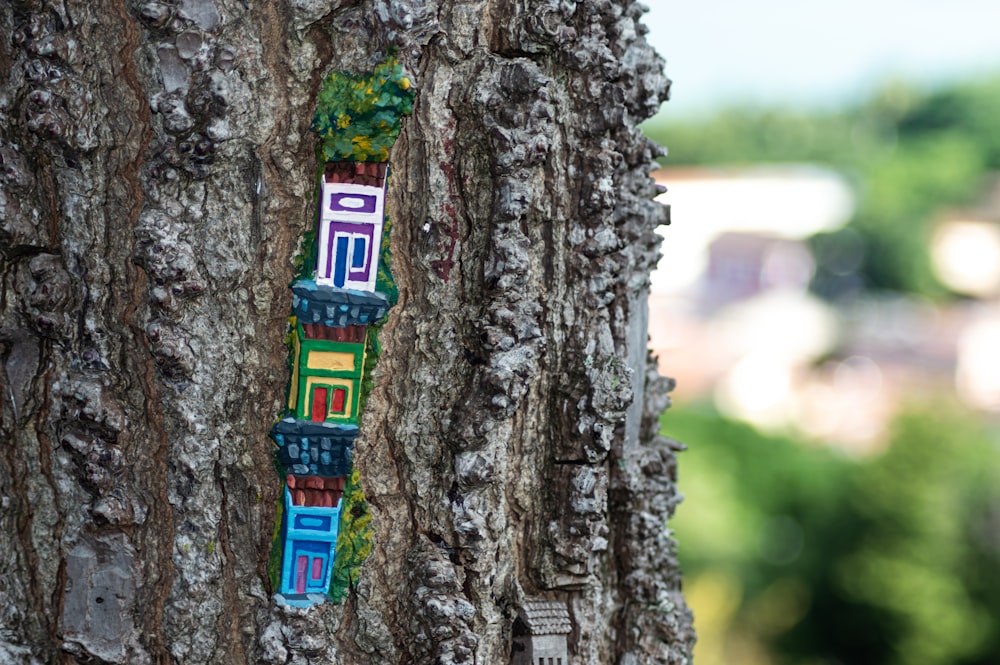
(157, 176)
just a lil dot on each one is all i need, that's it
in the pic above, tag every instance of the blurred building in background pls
(965, 253)
(732, 316)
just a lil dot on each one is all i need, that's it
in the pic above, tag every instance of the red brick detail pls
(357, 173)
(354, 334)
(315, 490)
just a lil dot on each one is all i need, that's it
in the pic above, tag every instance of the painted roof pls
(330, 306)
(315, 490)
(354, 334)
(358, 173)
(307, 448)
(544, 617)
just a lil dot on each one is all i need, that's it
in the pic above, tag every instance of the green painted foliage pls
(354, 541)
(384, 283)
(359, 117)
(277, 544)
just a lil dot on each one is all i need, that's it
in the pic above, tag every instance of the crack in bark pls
(228, 623)
(160, 574)
(45, 458)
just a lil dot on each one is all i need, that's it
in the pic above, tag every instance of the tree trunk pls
(157, 177)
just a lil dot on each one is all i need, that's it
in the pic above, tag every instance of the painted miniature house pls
(326, 373)
(540, 634)
(350, 224)
(317, 456)
(311, 524)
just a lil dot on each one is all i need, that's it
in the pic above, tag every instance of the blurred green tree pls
(928, 552)
(801, 555)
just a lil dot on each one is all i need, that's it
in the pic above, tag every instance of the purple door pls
(349, 252)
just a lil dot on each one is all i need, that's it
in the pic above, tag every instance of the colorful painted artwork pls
(314, 304)
(350, 225)
(324, 532)
(307, 448)
(359, 117)
(312, 522)
(326, 377)
(354, 542)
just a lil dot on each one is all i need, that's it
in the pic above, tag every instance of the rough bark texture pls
(156, 174)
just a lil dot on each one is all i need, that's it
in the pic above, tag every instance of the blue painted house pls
(317, 457)
(310, 528)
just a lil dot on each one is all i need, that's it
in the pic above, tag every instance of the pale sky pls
(816, 52)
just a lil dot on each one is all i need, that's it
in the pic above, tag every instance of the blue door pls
(340, 261)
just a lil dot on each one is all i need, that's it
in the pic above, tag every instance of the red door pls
(339, 399)
(319, 405)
